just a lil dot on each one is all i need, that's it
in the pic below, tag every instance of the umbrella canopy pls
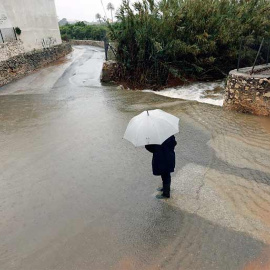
(151, 127)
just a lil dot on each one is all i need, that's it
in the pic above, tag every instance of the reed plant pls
(188, 39)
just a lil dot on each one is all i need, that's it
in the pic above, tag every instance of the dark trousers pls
(166, 179)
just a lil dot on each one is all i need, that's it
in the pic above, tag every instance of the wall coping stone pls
(245, 72)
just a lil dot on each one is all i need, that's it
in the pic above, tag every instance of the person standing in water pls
(163, 163)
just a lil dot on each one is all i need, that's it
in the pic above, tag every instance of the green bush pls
(82, 31)
(191, 39)
(18, 30)
(65, 37)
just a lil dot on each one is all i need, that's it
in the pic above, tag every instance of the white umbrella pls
(151, 127)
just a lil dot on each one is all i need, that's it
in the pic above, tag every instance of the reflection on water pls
(74, 195)
(223, 167)
(232, 170)
(204, 92)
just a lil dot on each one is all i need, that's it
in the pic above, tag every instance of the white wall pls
(36, 18)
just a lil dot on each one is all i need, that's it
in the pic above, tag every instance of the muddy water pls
(74, 195)
(204, 92)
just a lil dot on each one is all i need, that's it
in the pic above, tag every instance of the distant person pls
(163, 163)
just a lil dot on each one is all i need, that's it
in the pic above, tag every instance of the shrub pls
(192, 39)
(80, 30)
(18, 31)
(65, 37)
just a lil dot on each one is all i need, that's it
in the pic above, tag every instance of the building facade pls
(36, 19)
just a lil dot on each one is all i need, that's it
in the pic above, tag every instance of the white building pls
(37, 20)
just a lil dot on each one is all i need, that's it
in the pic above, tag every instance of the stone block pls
(108, 69)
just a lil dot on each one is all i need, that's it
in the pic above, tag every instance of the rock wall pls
(22, 64)
(248, 93)
(88, 42)
(109, 71)
(10, 49)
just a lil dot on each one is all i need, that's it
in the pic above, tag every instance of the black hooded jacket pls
(163, 156)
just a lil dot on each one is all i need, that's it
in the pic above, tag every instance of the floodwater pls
(75, 195)
(204, 92)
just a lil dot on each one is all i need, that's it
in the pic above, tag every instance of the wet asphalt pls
(75, 195)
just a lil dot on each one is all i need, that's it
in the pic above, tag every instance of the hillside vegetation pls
(81, 31)
(187, 39)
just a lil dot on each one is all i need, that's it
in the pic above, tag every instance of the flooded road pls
(75, 195)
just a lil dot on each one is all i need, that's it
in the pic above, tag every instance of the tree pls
(82, 24)
(83, 31)
(98, 17)
(111, 8)
(104, 9)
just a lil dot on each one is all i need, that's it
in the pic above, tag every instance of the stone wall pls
(248, 93)
(10, 49)
(20, 65)
(108, 71)
(88, 42)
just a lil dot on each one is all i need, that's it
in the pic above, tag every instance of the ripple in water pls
(204, 92)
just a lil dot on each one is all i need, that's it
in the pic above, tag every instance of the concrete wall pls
(36, 18)
(249, 93)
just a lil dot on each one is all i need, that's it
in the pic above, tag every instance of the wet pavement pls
(75, 195)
